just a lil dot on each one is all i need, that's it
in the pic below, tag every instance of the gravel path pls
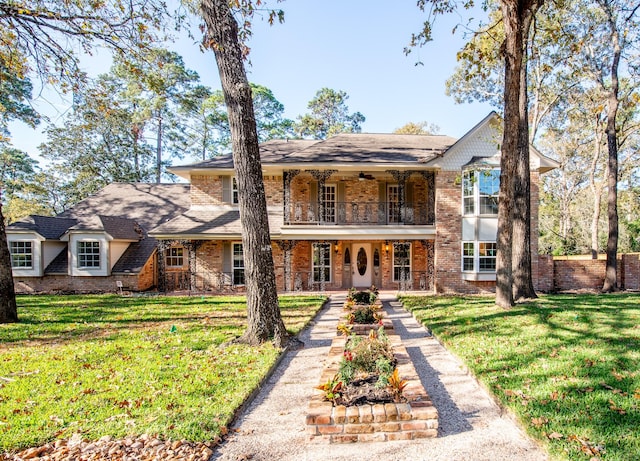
(472, 426)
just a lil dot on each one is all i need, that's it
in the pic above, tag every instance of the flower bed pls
(364, 313)
(412, 416)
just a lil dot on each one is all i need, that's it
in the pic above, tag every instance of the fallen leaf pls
(539, 422)
(555, 436)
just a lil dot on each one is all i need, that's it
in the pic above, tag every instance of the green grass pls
(568, 366)
(109, 365)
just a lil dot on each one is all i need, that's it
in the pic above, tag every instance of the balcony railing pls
(351, 213)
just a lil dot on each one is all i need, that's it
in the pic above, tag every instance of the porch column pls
(161, 247)
(192, 249)
(287, 246)
(323, 282)
(321, 176)
(287, 177)
(430, 178)
(401, 177)
(430, 249)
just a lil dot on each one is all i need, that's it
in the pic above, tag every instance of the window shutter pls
(313, 192)
(382, 191)
(227, 257)
(340, 192)
(408, 193)
(226, 189)
(313, 202)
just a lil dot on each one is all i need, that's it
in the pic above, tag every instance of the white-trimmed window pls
(321, 262)
(21, 254)
(468, 256)
(487, 252)
(393, 203)
(174, 257)
(329, 203)
(88, 254)
(401, 261)
(234, 190)
(484, 260)
(238, 264)
(468, 193)
(480, 190)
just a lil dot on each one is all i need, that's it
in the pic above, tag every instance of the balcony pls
(353, 213)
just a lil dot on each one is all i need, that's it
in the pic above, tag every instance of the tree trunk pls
(597, 194)
(611, 278)
(513, 48)
(159, 151)
(8, 308)
(263, 311)
(521, 238)
(517, 15)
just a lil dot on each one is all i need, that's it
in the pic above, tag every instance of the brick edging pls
(415, 419)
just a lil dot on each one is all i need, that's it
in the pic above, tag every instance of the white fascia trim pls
(359, 232)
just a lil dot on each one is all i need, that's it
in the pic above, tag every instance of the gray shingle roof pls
(135, 256)
(373, 148)
(125, 211)
(343, 148)
(210, 222)
(59, 265)
(147, 204)
(49, 227)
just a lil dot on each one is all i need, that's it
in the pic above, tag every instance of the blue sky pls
(351, 45)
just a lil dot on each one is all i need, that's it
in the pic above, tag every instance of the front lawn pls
(111, 365)
(567, 365)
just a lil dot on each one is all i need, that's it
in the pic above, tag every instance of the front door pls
(361, 265)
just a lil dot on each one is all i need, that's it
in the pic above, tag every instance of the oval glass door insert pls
(362, 261)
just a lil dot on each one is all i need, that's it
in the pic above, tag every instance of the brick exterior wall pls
(68, 284)
(206, 190)
(449, 239)
(631, 271)
(555, 274)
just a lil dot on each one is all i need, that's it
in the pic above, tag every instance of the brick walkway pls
(471, 426)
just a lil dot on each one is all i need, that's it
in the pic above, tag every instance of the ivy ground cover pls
(111, 365)
(568, 366)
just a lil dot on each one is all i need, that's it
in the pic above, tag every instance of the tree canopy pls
(329, 116)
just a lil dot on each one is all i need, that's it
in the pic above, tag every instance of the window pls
(21, 255)
(468, 193)
(401, 261)
(234, 190)
(174, 257)
(89, 254)
(393, 199)
(487, 256)
(468, 256)
(238, 264)
(488, 189)
(329, 202)
(480, 189)
(321, 260)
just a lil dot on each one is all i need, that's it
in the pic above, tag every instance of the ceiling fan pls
(362, 176)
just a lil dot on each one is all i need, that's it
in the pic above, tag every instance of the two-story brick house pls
(401, 212)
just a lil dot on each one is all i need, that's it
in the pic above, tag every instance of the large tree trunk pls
(516, 15)
(513, 48)
(8, 308)
(521, 238)
(611, 278)
(264, 319)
